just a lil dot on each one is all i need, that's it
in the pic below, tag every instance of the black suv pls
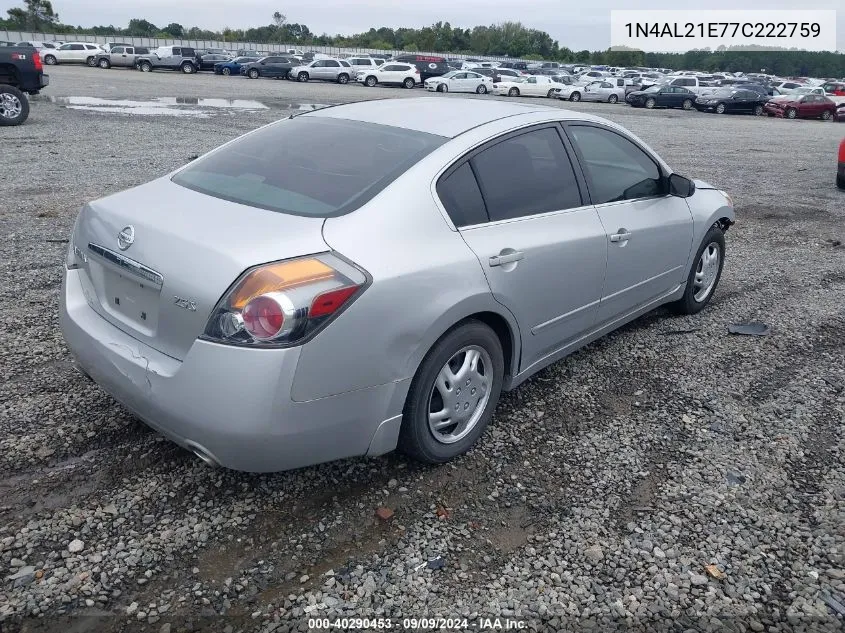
(428, 65)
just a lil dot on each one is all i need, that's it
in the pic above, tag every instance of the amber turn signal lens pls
(278, 277)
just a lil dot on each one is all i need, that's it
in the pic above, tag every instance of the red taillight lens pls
(284, 303)
(329, 302)
(36, 59)
(263, 317)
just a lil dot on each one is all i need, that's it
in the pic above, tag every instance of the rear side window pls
(615, 167)
(525, 175)
(309, 165)
(461, 197)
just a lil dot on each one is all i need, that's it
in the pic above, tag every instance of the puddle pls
(175, 106)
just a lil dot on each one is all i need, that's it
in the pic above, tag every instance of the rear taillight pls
(36, 59)
(285, 303)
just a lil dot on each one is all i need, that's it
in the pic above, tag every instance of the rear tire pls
(91, 61)
(105, 64)
(758, 110)
(409, 83)
(343, 78)
(481, 90)
(688, 303)
(612, 99)
(827, 115)
(188, 68)
(145, 67)
(416, 437)
(370, 81)
(50, 60)
(14, 106)
(840, 181)
(687, 104)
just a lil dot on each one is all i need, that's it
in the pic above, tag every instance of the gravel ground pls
(603, 488)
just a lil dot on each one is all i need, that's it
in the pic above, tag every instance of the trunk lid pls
(187, 250)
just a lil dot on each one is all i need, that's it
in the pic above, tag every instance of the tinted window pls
(309, 165)
(345, 64)
(461, 197)
(187, 52)
(616, 168)
(395, 67)
(526, 174)
(332, 64)
(77, 47)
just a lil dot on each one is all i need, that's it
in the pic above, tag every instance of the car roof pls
(443, 117)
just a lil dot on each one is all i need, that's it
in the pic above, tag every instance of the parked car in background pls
(360, 63)
(459, 81)
(391, 74)
(210, 60)
(338, 70)
(834, 88)
(4, 43)
(840, 169)
(428, 65)
(693, 84)
(805, 106)
(785, 87)
(731, 101)
(319, 334)
(274, 66)
(514, 65)
(121, 56)
(233, 66)
(21, 73)
(532, 86)
(182, 58)
(840, 113)
(604, 91)
(72, 53)
(108, 46)
(245, 52)
(662, 96)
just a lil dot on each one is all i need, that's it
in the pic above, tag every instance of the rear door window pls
(461, 197)
(526, 174)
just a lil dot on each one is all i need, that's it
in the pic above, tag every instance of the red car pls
(802, 107)
(840, 172)
(834, 89)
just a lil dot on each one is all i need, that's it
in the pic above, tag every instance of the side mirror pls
(680, 186)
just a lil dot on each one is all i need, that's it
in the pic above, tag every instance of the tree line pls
(504, 39)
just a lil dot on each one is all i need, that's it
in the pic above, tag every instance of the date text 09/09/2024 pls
(418, 624)
(761, 30)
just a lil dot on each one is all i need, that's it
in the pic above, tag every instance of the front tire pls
(453, 394)
(791, 113)
(575, 96)
(721, 109)
(302, 77)
(187, 68)
(370, 81)
(409, 83)
(14, 106)
(50, 60)
(705, 273)
(513, 92)
(226, 72)
(550, 93)
(253, 73)
(650, 103)
(612, 99)
(343, 78)
(105, 64)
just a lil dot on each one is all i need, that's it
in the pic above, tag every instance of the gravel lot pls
(604, 487)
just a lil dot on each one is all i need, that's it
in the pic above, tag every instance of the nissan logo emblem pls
(126, 237)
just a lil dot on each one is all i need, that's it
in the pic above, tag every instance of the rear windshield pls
(311, 166)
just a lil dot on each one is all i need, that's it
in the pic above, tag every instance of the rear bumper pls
(232, 406)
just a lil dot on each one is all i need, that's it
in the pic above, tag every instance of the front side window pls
(117, 49)
(615, 167)
(525, 175)
(304, 166)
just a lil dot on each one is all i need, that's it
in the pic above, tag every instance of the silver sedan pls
(368, 276)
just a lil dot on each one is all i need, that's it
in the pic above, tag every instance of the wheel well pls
(503, 331)
(724, 223)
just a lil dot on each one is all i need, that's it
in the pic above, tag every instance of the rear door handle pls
(499, 260)
(620, 236)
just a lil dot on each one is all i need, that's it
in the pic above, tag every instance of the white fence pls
(152, 42)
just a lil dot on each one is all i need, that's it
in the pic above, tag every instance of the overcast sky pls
(574, 25)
